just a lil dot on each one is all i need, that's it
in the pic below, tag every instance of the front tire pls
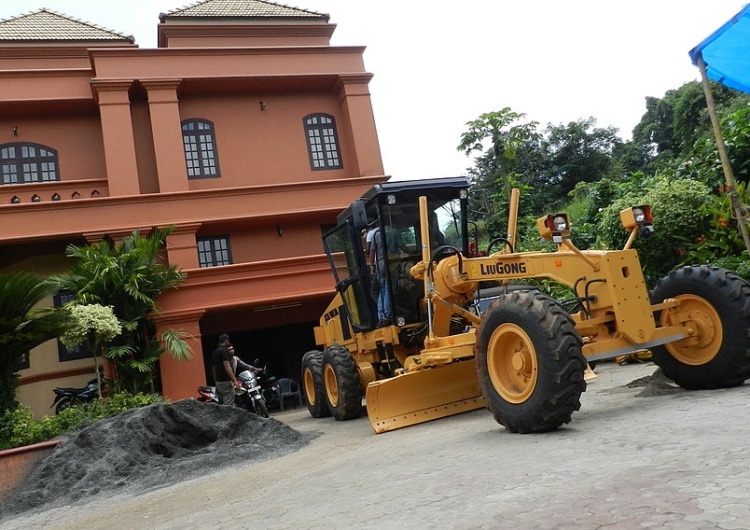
(715, 307)
(312, 384)
(529, 363)
(262, 408)
(342, 385)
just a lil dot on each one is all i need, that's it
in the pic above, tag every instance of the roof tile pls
(45, 25)
(243, 8)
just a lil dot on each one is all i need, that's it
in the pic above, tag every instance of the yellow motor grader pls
(524, 356)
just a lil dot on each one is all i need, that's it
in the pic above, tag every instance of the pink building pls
(245, 129)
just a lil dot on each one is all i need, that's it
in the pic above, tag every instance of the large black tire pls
(312, 384)
(529, 363)
(715, 305)
(342, 385)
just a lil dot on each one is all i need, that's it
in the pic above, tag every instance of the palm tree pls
(22, 327)
(129, 276)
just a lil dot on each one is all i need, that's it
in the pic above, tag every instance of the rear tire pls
(66, 404)
(342, 383)
(715, 304)
(312, 384)
(529, 363)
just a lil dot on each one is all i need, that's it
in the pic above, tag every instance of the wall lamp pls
(262, 105)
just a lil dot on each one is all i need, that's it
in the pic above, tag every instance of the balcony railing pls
(53, 191)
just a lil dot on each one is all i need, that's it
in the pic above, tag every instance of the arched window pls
(24, 163)
(200, 149)
(322, 142)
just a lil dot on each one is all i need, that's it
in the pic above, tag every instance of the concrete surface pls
(670, 461)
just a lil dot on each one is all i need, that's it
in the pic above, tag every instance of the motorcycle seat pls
(68, 390)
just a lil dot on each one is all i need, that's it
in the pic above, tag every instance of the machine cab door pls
(344, 246)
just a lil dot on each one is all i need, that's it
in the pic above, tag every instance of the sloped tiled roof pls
(45, 25)
(242, 9)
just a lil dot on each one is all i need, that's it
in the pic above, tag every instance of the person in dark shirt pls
(226, 381)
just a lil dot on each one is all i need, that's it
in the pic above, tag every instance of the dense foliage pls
(129, 277)
(23, 326)
(18, 427)
(671, 163)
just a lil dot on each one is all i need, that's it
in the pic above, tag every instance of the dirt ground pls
(148, 448)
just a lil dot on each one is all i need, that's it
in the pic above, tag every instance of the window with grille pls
(22, 163)
(214, 251)
(199, 141)
(82, 351)
(322, 142)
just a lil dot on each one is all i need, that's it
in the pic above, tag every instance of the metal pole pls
(734, 198)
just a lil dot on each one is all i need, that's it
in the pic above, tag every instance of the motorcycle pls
(269, 385)
(70, 397)
(207, 394)
(248, 396)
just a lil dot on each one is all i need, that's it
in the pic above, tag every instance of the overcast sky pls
(437, 68)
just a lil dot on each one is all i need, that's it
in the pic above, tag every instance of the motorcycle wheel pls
(66, 404)
(262, 408)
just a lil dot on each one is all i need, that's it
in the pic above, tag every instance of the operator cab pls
(393, 208)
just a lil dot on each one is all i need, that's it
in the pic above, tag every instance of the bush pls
(18, 427)
(679, 220)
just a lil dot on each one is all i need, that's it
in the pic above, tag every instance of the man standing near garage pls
(224, 376)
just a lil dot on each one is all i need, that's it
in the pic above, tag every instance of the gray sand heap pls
(656, 384)
(151, 447)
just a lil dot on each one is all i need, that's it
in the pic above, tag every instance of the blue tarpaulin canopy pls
(726, 52)
(725, 57)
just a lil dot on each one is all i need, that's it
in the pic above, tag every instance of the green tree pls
(578, 152)
(702, 163)
(130, 277)
(93, 324)
(23, 326)
(673, 124)
(495, 138)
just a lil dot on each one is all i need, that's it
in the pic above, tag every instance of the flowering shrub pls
(91, 319)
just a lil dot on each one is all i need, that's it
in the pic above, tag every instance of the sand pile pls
(656, 384)
(151, 447)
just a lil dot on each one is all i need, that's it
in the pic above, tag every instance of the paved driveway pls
(675, 461)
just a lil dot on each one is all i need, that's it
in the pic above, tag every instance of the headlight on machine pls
(553, 227)
(636, 216)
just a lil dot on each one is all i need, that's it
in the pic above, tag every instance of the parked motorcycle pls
(269, 385)
(207, 394)
(249, 395)
(70, 397)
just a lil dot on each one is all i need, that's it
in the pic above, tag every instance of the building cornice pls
(21, 222)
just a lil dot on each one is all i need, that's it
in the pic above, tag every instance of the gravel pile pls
(148, 448)
(656, 384)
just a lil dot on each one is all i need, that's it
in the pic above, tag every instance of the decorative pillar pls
(167, 132)
(182, 247)
(181, 379)
(361, 131)
(117, 132)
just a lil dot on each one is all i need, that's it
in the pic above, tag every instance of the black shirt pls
(220, 355)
